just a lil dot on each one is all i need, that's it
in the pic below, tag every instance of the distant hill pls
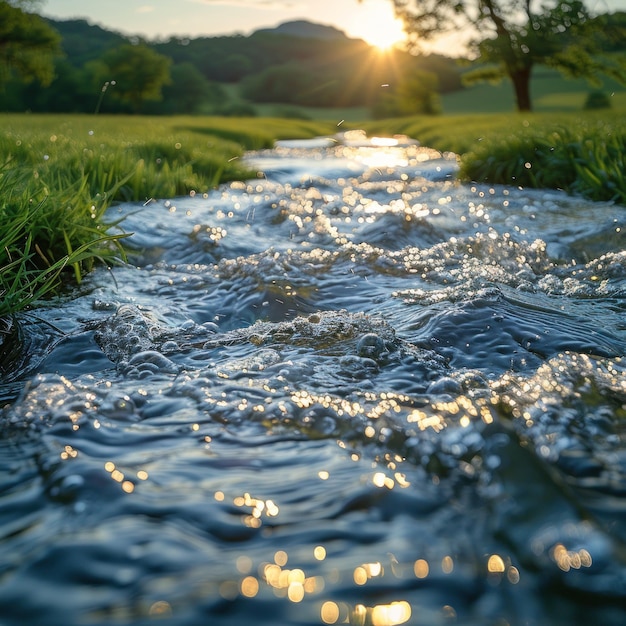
(82, 42)
(304, 29)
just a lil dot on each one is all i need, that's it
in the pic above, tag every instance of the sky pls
(372, 20)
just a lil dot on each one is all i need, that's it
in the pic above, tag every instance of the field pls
(58, 174)
(549, 90)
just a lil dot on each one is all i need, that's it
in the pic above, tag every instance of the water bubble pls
(152, 361)
(371, 346)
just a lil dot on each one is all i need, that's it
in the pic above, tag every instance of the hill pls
(305, 30)
(82, 42)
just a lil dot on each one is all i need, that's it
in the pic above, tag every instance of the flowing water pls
(352, 390)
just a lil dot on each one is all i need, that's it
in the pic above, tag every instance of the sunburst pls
(376, 23)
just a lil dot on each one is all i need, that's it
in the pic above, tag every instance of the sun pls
(388, 35)
(375, 22)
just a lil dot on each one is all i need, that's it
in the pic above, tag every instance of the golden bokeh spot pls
(319, 553)
(360, 576)
(281, 558)
(495, 565)
(391, 614)
(423, 420)
(272, 572)
(251, 522)
(329, 613)
(128, 487)
(259, 508)
(296, 576)
(249, 587)
(373, 569)
(295, 592)
(69, 453)
(421, 568)
(379, 479)
(142, 475)
(570, 559)
(401, 479)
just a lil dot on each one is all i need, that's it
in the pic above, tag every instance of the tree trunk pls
(521, 85)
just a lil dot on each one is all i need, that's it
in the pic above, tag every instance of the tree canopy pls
(27, 44)
(513, 36)
(139, 73)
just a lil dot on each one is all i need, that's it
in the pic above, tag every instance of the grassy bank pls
(58, 174)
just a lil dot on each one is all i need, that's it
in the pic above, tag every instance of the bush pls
(597, 100)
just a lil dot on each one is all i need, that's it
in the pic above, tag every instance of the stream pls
(350, 391)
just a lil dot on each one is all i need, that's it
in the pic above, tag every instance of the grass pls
(587, 159)
(58, 174)
(291, 111)
(43, 236)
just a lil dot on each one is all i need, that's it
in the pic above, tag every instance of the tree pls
(27, 44)
(513, 36)
(139, 73)
(188, 92)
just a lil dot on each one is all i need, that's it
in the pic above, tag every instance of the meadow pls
(59, 173)
(550, 91)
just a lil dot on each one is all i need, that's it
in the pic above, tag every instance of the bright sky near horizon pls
(372, 20)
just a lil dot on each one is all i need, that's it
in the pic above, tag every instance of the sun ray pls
(377, 24)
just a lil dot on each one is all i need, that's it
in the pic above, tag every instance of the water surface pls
(352, 390)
